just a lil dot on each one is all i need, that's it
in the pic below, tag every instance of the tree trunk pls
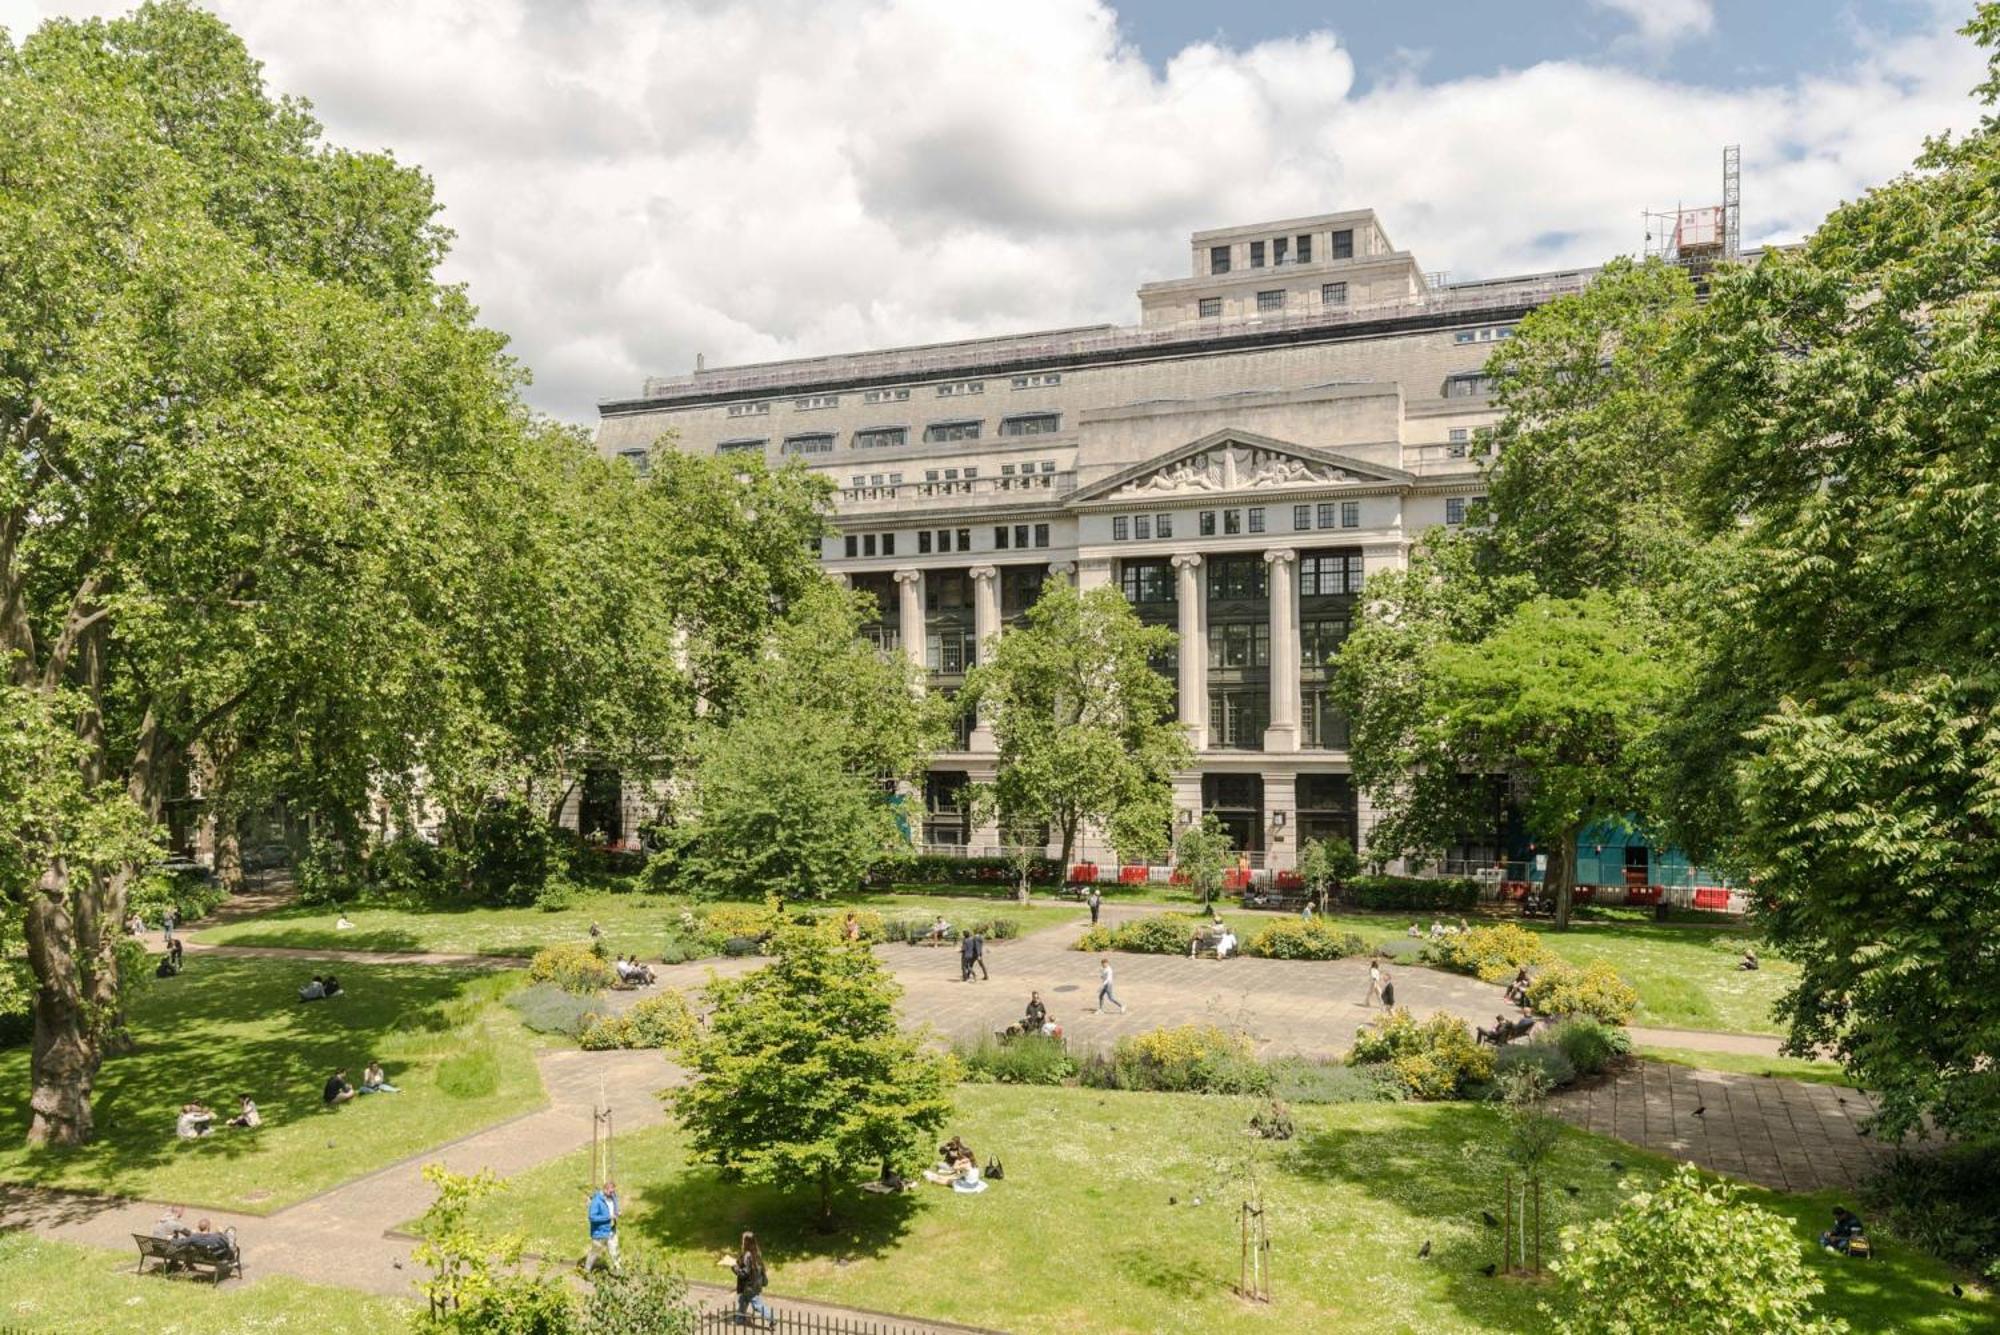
(826, 1200)
(65, 1057)
(229, 855)
(1562, 871)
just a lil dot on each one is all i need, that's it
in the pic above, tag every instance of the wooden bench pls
(173, 1258)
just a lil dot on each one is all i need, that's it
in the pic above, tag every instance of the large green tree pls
(1847, 392)
(804, 1077)
(1084, 725)
(790, 790)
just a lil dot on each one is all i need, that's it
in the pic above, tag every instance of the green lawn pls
(1119, 1213)
(633, 922)
(230, 1026)
(1684, 980)
(55, 1286)
(1745, 1063)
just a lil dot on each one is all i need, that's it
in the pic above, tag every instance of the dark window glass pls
(1209, 308)
(1218, 259)
(1326, 514)
(1208, 523)
(1000, 537)
(853, 546)
(923, 542)
(1343, 245)
(1232, 521)
(1256, 519)
(1142, 527)
(1121, 528)
(1163, 525)
(1041, 535)
(1305, 249)
(1256, 254)
(888, 544)
(868, 544)
(1302, 516)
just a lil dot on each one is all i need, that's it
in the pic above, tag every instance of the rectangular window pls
(748, 409)
(868, 544)
(1235, 577)
(1237, 718)
(1210, 308)
(971, 474)
(1271, 301)
(820, 442)
(1302, 516)
(1256, 514)
(1320, 640)
(1163, 525)
(1467, 385)
(1256, 254)
(958, 388)
(1454, 510)
(1031, 424)
(1343, 245)
(923, 542)
(1020, 535)
(1455, 448)
(744, 446)
(888, 544)
(1350, 514)
(939, 433)
(1218, 259)
(1305, 249)
(1279, 247)
(1041, 535)
(1475, 510)
(1326, 514)
(1048, 466)
(944, 539)
(881, 437)
(853, 546)
(895, 479)
(1208, 523)
(813, 401)
(875, 479)
(1232, 522)
(886, 396)
(1038, 380)
(1147, 581)
(1239, 644)
(1142, 528)
(965, 540)
(1463, 336)
(1333, 294)
(1006, 470)
(1000, 537)
(1330, 576)
(1121, 528)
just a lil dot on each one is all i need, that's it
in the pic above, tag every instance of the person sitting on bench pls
(1225, 945)
(374, 1082)
(940, 930)
(204, 1244)
(1846, 1231)
(172, 1223)
(337, 1089)
(1037, 1016)
(313, 991)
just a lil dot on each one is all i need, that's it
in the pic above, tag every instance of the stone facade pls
(1239, 463)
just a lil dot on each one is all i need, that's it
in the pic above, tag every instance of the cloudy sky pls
(636, 181)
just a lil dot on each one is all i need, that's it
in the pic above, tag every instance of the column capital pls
(1281, 555)
(1062, 567)
(908, 576)
(983, 572)
(1186, 560)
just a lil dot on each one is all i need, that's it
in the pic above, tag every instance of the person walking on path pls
(168, 921)
(748, 1264)
(1104, 989)
(1096, 902)
(603, 1216)
(978, 942)
(965, 949)
(1374, 982)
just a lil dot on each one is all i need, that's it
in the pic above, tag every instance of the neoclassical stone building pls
(1279, 426)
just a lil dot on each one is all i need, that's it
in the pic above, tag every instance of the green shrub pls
(639, 1299)
(1297, 1080)
(1159, 934)
(325, 872)
(1434, 1058)
(1946, 1202)
(736, 947)
(1546, 1057)
(547, 1009)
(515, 851)
(1494, 954)
(681, 947)
(1589, 1043)
(938, 869)
(1030, 1059)
(1304, 939)
(406, 867)
(191, 893)
(723, 921)
(1433, 894)
(1595, 989)
(1198, 1058)
(604, 1032)
(573, 968)
(557, 894)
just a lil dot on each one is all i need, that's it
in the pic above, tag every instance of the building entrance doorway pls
(1237, 801)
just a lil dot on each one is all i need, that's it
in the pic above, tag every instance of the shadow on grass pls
(226, 1027)
(324, 938)
(700, 1212)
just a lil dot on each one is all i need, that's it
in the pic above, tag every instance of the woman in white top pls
(1374, 983)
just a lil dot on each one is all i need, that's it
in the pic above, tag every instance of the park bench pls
(172, 1257)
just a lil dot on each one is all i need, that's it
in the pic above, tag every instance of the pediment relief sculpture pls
(1232, 468)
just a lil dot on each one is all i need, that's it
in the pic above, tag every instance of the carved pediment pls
(1231, 467)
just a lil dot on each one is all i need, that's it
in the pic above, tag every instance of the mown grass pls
(1750, 1063)
(1118, 1212)
(55, 1286)
(231, 1026)
(633, 923)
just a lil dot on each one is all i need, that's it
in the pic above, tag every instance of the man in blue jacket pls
(603, 1216)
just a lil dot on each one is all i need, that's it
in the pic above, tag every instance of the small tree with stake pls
(1532, 1135)
(1201, 855)
(1324, 863)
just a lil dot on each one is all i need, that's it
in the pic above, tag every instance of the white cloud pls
(1664, 23)
(634, 181)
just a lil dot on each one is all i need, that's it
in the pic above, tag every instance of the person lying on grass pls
(314, 991)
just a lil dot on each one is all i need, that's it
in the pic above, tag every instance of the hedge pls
(1494, 953)
(940, 869)
(1304, 939)
(1423, 893)
(1159, 934)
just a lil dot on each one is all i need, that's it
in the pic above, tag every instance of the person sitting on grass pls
(1749, 960)
(314, 991)
(374, 1082)
(1846, 1231)
(337, 1089)
(851, 929)
(341, 924)
(194, 1122)
(247, 1117)
(1416, 932)
(332, 985)
(167, 967)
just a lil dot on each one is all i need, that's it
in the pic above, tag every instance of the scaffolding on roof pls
(1704, 236)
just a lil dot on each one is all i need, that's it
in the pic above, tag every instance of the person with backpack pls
(603, 1217)
(748, 1264)
(1096, 902)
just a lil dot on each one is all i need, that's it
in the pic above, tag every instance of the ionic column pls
(1063, 570)
(1193, 648)
(1283, 734)
(986, 629)
(910, 621)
